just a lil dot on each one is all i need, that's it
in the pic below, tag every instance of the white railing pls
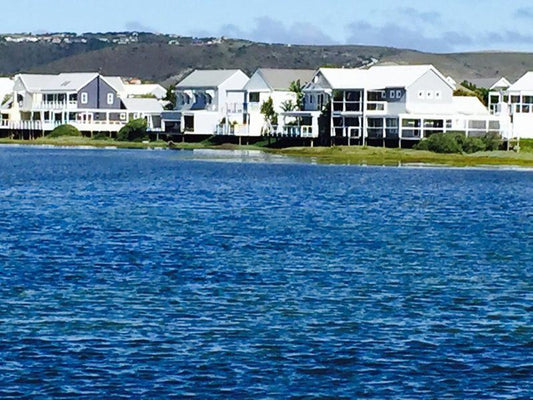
(57, 105)
(235, 108)
(299, 131)
(231, 130)
(21, 125)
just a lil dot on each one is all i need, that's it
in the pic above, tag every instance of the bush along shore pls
(450, 149)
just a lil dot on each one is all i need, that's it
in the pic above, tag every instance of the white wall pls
(432, 83)
(523, 125)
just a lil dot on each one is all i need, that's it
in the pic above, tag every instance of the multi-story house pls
(516, 104)
(89, 101)
(205, 99)
(265, 84)
(390, 103)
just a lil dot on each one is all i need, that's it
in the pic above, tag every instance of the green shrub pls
(440, 143)
(134, 130)
(492, 141)
(473, 145)
(457, 142)
(64, 130)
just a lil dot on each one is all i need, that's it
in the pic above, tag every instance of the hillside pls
(162, 58)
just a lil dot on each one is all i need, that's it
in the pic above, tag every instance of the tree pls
(170, 97)
(296, 87)
(271, 117)
(288, 105)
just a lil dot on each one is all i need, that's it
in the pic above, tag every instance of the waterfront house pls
(265, 84)
(383, 103)
(89, 101)
(205, 99)
(516, 104)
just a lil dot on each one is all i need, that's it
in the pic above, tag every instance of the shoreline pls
(339, 155)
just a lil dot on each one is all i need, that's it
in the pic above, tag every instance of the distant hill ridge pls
(166, 58)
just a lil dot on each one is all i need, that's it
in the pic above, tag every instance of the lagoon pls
(146, 274)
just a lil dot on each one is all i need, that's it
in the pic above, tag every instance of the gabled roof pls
(145, 89)
(143, 105)
(281, 79)
(378, 77)
(344, 78)
(115, 82)
(6, 85)
(400, 75)
(490, 83)
(68, 82)
(525, 83)
(207, 78)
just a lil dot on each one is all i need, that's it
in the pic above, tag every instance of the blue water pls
(157, 274)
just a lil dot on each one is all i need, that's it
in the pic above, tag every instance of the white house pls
(389, 102)
(265, 84)
(205, 99)
(89, 101)
(516, 104)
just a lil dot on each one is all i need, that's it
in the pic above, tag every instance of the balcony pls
(305, 131)
(57, 105)
(235, 108)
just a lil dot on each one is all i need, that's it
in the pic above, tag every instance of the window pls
(123, 116)
(429, 94)
(398, 94)
(421, 94)
(392, 94)
(438, 94)
(110, 98)
(84, 98)
(311, 99)
(254, 97)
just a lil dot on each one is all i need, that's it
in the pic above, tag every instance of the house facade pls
(89, 101)
(515, 103)
(264, 85)
(390, 102)
(205, 99)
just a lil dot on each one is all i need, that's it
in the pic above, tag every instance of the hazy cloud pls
(137, 26)
(269, 30)
(524, 12)
(394, 35)
(419, 16)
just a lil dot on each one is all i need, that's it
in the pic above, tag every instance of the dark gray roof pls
(280, 79)
(486, 83)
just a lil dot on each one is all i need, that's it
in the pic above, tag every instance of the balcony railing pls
(57, 105)
(235, 108)
(299, 131)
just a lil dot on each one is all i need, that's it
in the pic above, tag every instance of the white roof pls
(68, 82)
(145, 89)
(115, 82)
(377, 77)
(460, 105)
(6, 85)
(143, 105)
(344, 78)
(207, 78)
(525, 83)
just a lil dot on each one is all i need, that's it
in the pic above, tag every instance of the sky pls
(426, 25)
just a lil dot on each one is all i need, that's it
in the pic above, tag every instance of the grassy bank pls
(383, 156)
(327, 155)
(84, 141)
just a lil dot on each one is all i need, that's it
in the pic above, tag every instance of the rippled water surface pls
(157, 274)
